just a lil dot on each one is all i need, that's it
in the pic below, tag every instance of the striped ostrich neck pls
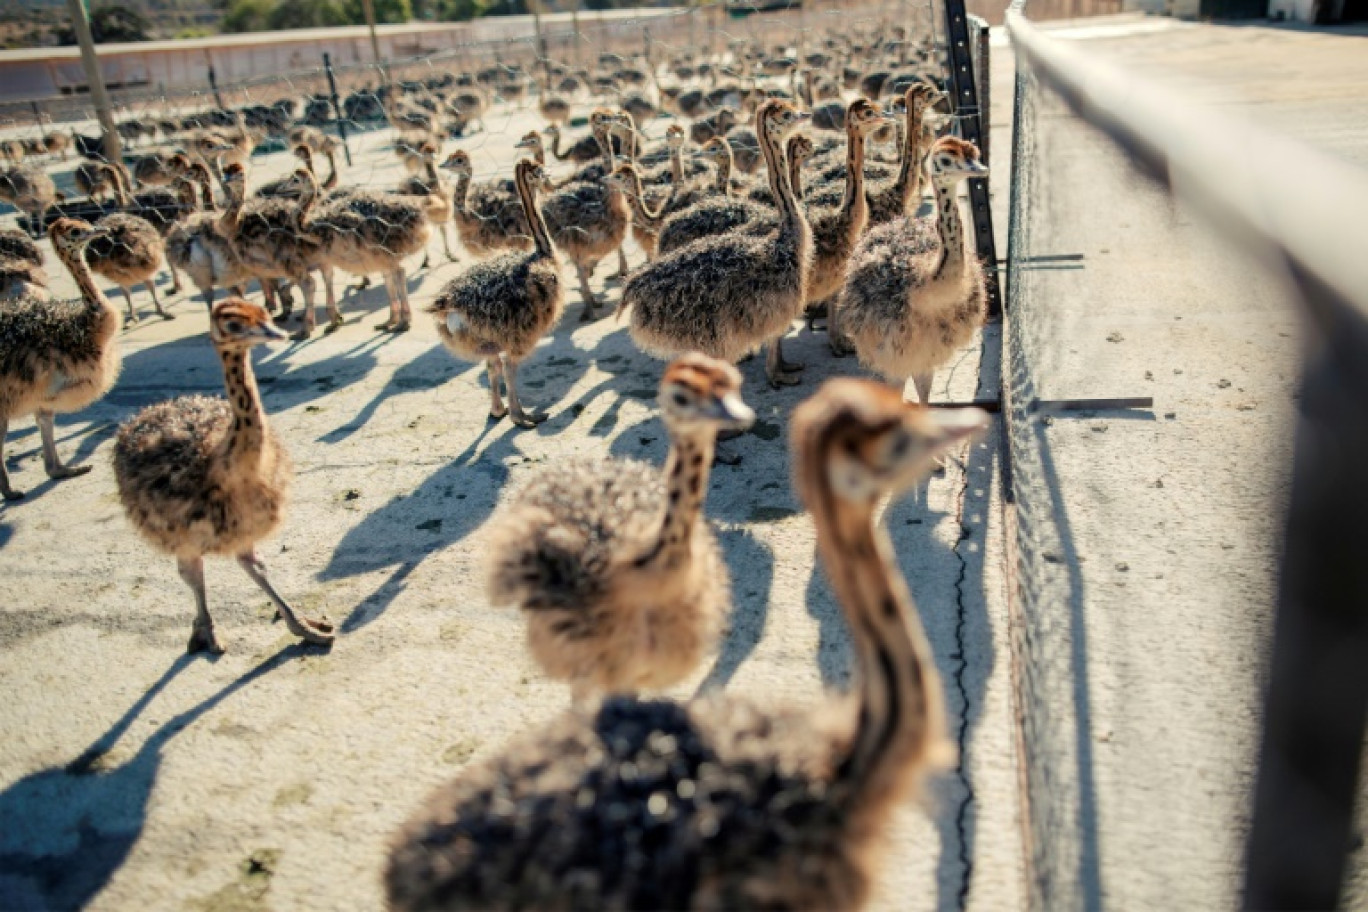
(121, 189)
(528, 197)
(332, 179)
(248, 433)
(555, 145)
(687, 469)
(232, 215)
(638, 203)
(949, 227)
(724, 170)
(898, 693)
(911, 150)
(460, 190)
(308, 194)
(605, 142)
(677, 164)
(74, 259)
(854, 200)
(795, 166)
(775, 165)
(434, 185)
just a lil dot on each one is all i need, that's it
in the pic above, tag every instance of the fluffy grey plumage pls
(505, 304)
(56, 356)
(129, 255)
(29, 189)
(588, 220)
(711, 218)
(175, 482)
(366, 226)
(725, 296)
(745, 149)
(640, 805)
(15, 245)
(898, 331)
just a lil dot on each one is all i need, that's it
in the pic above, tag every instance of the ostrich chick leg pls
(51, 461)
(203, 636)
(5, 490)
(520, 418)
(497, 409)
(590, 302)
(319, 632)
(774, 370)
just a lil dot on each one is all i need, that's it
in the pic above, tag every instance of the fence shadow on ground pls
(93, 811)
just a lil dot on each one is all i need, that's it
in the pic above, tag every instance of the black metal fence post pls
(973, 127)
(337, 106)
(38, 119)
(213, 85)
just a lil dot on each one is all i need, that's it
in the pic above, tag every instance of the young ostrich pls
(720, 803)
(365, 232)
(436, 201)
(488, 220)
(622, 585)
(914, 295)
(588, 221)
(21, 268)
(273, 241)
(583, 151)
(497, 310)
(835, 231)
(131, 252)
(200, 475)
(725, 296)
(29, 189)
(645, 223)
(56, 356)
(97, 179)
(754, 215)
(159, 168)
(202, 246)
(889, 201)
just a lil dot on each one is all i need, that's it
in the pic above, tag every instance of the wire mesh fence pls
(1153, 548)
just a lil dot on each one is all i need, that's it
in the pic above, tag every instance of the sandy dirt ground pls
(273, 776)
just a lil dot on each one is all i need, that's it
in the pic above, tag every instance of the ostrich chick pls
(57, 356)
(720, 803)
(199, 475)
(622, 586)
(913, 295)
(499, 309)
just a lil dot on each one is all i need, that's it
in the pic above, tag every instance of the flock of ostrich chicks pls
(624, 801)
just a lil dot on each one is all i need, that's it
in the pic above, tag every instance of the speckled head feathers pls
(235, 323)
(862, 440)
(696, 389)
(531, 140)
(953, 158)
(864, 115)
(73, 234)
(776, 117)
(458, 161)
(716, 148)
(799, 147)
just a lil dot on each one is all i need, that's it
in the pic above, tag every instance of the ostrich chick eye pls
(680, 398)
(233, 326)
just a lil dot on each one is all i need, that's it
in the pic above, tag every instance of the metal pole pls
(970, 119)
(213, 80)
(113, 149)
(574, 21)
(337, 106)
(985, 82)
(38, 119)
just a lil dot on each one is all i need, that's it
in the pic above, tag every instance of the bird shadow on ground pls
(385, 537)
(751, 566)
(6, 533)
(89, 439)
(69, 829)
(431, 369)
